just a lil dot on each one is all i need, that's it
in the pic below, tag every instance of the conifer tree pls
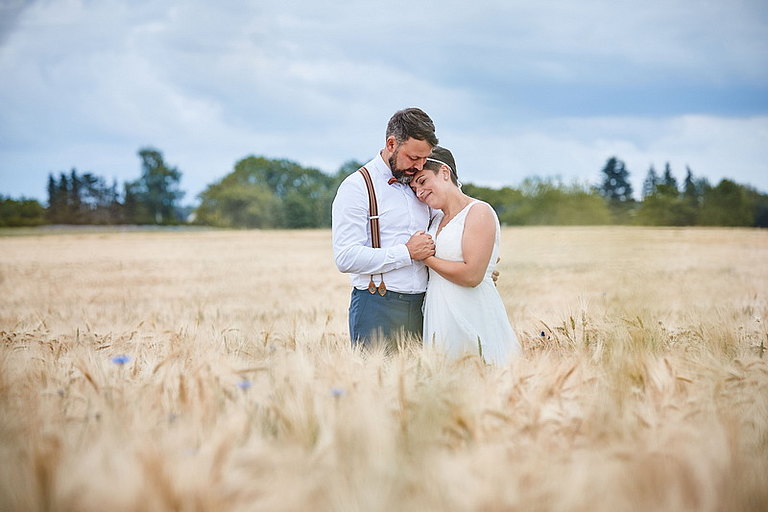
(668, 186)
(616, 187)
(650, 183)
(53, 213)
(690, 190)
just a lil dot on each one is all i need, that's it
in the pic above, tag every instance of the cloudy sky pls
(516, 88)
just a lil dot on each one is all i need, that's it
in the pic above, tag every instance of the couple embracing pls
(420, 252)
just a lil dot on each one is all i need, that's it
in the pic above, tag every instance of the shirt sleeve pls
(351, 242)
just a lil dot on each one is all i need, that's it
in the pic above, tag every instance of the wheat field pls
(211, 370)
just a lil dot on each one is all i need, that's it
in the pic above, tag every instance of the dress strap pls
(465, 211)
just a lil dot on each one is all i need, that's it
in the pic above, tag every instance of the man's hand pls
(495, 273)
(420, 246)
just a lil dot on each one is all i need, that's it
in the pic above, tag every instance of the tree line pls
(277, 193)
(85, 198)
(663, 202)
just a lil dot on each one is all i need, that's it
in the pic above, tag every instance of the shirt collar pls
(380, 167)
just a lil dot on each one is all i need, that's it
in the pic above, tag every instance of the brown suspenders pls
(373, 210)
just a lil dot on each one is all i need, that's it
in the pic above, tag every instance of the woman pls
(463, 312)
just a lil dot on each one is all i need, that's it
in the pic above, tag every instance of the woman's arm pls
(476, 245)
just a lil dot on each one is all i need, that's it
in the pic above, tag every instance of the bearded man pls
(379, 234)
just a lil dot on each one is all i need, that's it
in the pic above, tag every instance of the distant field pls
(210, 370)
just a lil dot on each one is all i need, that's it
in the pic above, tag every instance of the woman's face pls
(429, 187)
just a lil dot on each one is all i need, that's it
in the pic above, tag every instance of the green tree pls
(131, 212)
(157, 191)
(506, 201)
(760, 202)
(21, 212)
(236, 203)
(97, 200)
(273, 194)
(552, 202)
(115, 206)
(65, 200)
(727, 204)
(346, 169)
(615, 186)
(544, 201)
(668, 185)
(691, 200)
(82, 199)
(690, 191)
(616, 189)
(662, 209)
(650, 183)
(666, 206)
(56, 203)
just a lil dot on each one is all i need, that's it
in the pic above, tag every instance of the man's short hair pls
(412, 123)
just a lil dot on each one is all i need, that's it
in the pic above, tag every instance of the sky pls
(516, 88)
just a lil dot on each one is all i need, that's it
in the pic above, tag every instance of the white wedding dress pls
(461, 319)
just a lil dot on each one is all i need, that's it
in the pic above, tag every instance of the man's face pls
(408, 158)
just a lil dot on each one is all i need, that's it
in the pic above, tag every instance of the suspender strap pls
(373, 208)
(373, 217)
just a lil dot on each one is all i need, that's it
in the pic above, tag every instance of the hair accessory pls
(441, 163)
(442, 156)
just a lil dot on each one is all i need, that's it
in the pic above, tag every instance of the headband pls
(441, 163)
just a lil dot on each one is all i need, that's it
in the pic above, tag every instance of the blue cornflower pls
(121, 360)
(244, 384)
(337, 392)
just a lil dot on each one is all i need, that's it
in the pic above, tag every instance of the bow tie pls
(406, 177)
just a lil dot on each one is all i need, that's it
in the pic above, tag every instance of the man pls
(388, 282)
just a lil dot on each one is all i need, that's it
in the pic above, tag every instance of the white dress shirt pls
(400, 215)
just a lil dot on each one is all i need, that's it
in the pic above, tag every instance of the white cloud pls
(208, 84)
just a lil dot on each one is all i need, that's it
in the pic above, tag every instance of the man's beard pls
(402, 175)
